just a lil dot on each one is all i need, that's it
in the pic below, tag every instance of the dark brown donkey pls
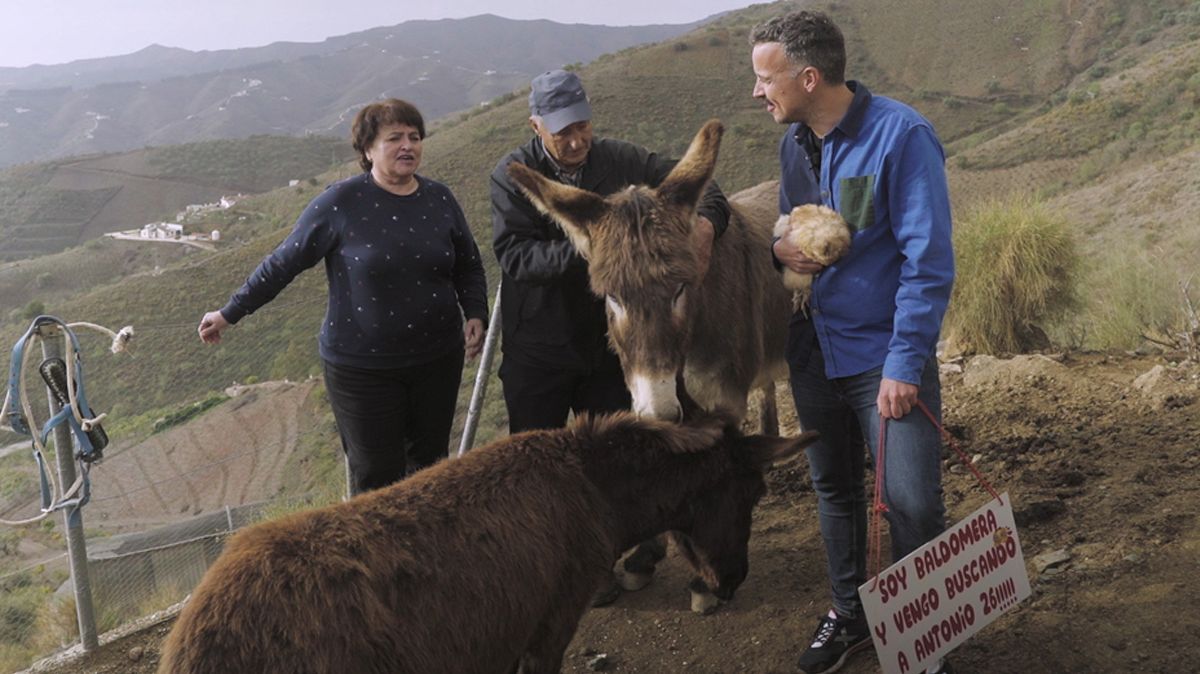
(726, 332)
(476, 565)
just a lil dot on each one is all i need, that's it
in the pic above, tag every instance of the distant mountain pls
(162, 95)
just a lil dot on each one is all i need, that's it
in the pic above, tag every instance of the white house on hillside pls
(161, 230)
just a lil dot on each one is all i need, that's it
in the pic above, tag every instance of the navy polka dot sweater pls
(399, 268)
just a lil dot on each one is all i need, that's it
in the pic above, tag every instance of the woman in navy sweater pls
(403, 271)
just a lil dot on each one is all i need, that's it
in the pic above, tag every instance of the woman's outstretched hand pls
(211, 326)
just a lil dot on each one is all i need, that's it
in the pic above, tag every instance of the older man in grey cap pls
(556, 354)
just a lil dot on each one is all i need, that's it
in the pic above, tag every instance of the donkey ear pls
(766, 450)
(687, 180)
(574, 210)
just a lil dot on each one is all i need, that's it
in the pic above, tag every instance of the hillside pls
(45, 208)
(161, 96)
(658, 95)
(199, 465)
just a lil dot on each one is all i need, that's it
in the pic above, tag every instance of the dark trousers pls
(844, 412)
(393, 421)
(538, 397)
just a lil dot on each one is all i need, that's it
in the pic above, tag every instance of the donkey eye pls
(679, 292)
(677, 302)
(614, 305)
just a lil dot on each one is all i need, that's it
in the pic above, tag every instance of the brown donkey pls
(726, 332)
(481, 564)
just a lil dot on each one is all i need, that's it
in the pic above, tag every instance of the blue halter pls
(88, 450)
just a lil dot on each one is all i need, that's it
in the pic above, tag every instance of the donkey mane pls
(642, 244)
(695, 437)
(675, 464)
(637, 209)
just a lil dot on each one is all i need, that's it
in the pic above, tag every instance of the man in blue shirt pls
(864, 352)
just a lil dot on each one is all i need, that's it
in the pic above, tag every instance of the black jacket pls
(550, 316)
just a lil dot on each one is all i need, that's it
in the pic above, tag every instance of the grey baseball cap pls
(558, 98)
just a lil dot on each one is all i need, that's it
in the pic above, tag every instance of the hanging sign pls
(928, 603)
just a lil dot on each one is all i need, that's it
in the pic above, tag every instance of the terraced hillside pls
(47, 208)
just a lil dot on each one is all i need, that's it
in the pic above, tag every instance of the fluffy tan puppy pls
(821, 234)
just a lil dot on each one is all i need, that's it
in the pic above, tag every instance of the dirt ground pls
(1100, 455)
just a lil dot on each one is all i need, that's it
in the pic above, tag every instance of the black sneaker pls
(834, 641)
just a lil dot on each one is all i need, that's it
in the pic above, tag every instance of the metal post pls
(64, 452)
(481, 377)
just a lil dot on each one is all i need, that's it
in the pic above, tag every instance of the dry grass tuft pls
(1017, 263)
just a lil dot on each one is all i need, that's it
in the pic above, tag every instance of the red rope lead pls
(961, 454)
(878, 507)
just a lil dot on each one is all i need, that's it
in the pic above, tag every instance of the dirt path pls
(14, 448)
(1097, 467)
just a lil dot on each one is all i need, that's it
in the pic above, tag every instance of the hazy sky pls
(58, 31)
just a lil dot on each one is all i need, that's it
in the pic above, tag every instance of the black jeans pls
(393, 421)
(538, 397)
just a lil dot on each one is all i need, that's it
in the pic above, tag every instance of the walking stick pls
(481, 377)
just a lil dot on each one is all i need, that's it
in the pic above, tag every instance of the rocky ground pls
(1099, 454)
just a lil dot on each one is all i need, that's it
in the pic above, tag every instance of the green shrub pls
(1129, 297)
(1016, 263)
(187, 412)
(20, 601)
(33, 310)
(10, 541)
(1090, 169)
(1118, 109)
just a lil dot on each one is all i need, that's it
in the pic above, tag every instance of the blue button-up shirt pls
(883, 168)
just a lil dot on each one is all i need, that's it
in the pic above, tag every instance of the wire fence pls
(203, 441)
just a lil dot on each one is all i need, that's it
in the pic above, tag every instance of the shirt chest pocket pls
(857, 201)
